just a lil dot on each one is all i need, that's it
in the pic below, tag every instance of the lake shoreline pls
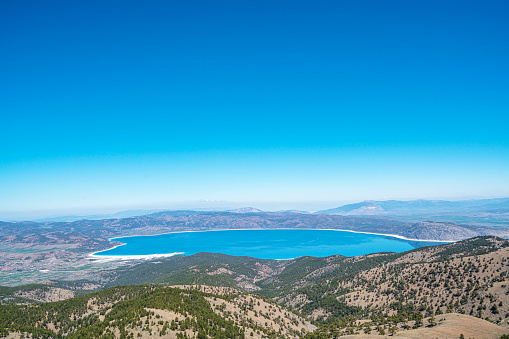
(97, 256)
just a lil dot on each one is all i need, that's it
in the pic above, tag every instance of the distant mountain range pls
(118, 215)
(397, 207)
(246, 210)
(137, 213)
(481, 212)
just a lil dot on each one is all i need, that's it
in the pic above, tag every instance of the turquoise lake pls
(264, 244)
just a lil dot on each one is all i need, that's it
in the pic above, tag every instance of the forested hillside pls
(148, 310)
(371, 294)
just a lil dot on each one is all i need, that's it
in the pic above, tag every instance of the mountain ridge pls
(419, 206)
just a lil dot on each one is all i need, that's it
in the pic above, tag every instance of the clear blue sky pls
(122, 104)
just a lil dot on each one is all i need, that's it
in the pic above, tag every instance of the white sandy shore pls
(102, 258)
(394, 236)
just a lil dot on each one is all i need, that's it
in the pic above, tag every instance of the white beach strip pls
(394, 236)
(131, 257)
(95, 255)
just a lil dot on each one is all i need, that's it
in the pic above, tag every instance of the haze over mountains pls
(481, 212)
(396, 207)
(131, 213)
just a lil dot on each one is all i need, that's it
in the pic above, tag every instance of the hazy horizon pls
(115, 106)
(309, 206)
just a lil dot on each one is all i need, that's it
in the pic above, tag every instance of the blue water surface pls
(264, 244)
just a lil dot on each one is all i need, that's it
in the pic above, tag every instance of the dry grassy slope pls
(452, 326)
(260, 315)
(47, 294)
(255, 310)
(461, 277)
(148, 330)
(34, 293)
(473, 285)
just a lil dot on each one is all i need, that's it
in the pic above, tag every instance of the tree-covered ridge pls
(471, 285)
(279, 277)
(201, 268)
(67, 314)
(304, 280)
(137, 311)
(401, 295)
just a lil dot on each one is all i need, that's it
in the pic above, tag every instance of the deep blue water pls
(265, 244)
